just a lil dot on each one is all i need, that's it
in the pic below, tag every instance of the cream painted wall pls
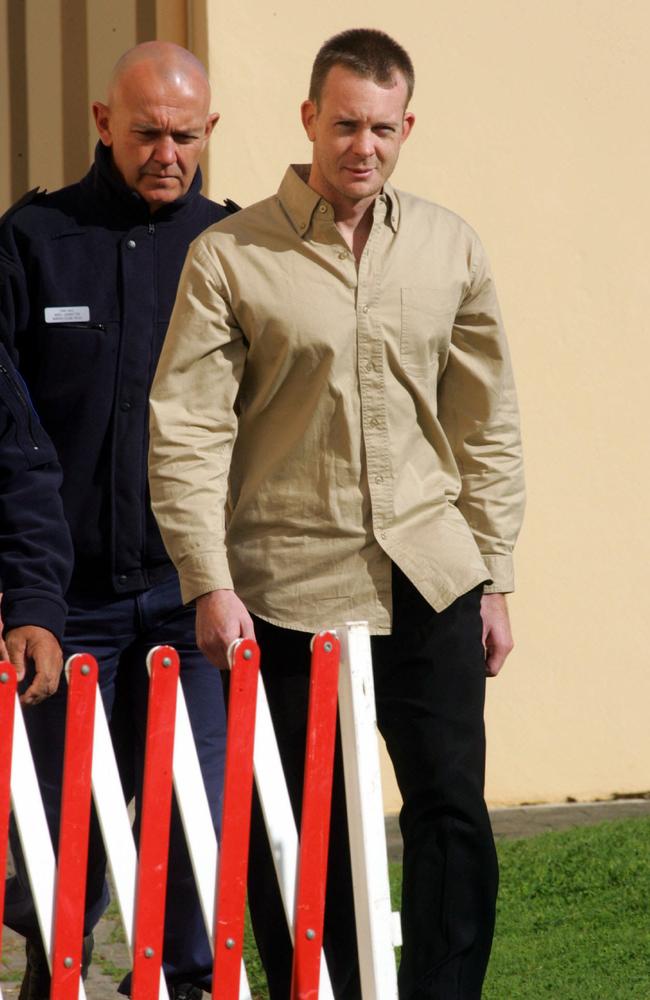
(55, 59)
(532, 124)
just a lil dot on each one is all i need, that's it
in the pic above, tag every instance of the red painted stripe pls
(235, 828)
(315, 820)
(154, 828)
(73, 830)
(7, 705)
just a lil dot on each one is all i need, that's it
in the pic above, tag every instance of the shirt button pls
(343, 255)
(382, 534)
(374, 422)
(125, 405)
(122, 578)
(131, 244)
(365, 309)
(379, 479)
(322, 209)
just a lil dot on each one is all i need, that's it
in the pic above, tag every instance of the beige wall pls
(55, 59)
(532, 124)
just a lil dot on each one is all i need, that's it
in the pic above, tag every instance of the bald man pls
(88, 276)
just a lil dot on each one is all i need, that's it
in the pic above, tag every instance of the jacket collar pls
(106, 183)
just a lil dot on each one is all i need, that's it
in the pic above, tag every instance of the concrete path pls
(111, 956)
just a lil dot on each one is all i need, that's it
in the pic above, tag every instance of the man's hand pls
(220, 618)
(497, 635)
(30, 642)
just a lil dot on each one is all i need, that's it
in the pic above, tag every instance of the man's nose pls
(363, 144)
(165, 150)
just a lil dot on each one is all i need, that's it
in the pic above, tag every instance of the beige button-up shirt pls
(312, 422)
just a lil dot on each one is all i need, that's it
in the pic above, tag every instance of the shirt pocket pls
(427, 321)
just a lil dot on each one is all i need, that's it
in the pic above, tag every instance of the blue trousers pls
(429, 678)
(120, 632)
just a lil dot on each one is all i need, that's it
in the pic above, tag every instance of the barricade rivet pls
(328, 647)
(166, 662)
(148, 952)
(230, 943)
(68, 962)
(310, 934)
(248, 654)
(85, 670)
(4, 678)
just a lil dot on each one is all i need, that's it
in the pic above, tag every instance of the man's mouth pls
(360, 173)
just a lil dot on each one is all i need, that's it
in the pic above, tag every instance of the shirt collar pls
(391, 199)
(300, 201)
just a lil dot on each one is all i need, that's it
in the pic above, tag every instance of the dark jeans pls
(120, 633)
(429, 677)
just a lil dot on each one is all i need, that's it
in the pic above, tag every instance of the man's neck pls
(353, 219)
(355, 228)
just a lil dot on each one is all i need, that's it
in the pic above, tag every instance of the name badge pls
(67, 314)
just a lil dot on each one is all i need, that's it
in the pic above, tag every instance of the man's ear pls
(102, 118)
(407, 125)
(210, 122)
(308, 112)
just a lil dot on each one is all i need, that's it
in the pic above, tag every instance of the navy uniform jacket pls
(35, 546)
(87, 283)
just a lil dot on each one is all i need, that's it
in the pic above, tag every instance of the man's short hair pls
(368, 53)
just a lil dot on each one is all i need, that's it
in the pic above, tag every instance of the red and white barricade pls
(139, 880)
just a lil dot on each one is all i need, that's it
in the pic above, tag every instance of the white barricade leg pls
(374, 919)
(116, 828)
(197, 822)
(278, 817)
(34, 833)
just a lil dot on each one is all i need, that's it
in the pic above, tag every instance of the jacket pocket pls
(71, 372)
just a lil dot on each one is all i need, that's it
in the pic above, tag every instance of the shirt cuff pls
(502, 575)
(203, 574)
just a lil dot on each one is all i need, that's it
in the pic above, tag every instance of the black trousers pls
(429, 677)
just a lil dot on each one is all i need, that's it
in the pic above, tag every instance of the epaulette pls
(25, 200)
(231, 206)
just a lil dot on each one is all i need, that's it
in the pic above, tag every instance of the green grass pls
(573, 917)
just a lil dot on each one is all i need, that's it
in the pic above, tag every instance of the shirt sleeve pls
(477, 407)
(193, 425)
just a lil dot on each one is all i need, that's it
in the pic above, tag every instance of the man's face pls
(357, 131)
(156, 128)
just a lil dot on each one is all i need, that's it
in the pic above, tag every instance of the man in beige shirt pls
(334, 437)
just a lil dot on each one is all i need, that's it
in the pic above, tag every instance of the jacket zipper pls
(20, 395)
